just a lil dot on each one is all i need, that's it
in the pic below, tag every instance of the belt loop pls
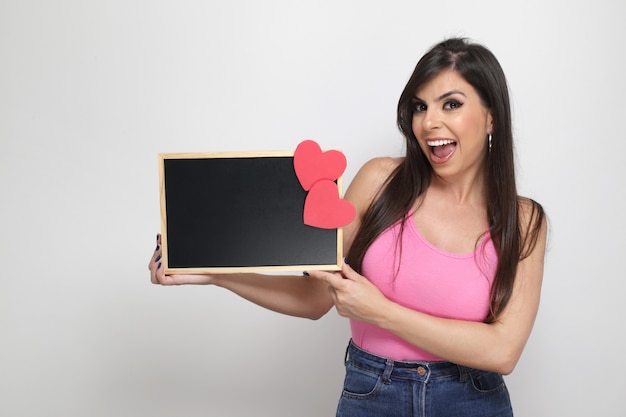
(347, 355)
(463, 373)
(388, 370)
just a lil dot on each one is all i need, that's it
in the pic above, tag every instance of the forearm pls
(292, 295)
(473, 344)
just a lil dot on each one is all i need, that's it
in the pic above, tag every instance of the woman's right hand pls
(296, 295)
(157, 271)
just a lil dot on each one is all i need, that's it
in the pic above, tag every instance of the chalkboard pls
(239, 212)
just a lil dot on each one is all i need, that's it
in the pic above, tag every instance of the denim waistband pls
(389, 368)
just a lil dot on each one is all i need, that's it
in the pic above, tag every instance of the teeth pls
(439, 142)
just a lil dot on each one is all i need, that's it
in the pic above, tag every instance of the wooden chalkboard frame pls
(313, 248)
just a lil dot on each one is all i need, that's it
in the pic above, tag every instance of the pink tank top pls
(427, 279)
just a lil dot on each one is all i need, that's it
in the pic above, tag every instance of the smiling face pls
(451, 125)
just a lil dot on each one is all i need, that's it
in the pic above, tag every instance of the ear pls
(489, 122)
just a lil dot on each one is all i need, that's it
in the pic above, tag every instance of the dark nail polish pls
(345, 260)
(159, 266)
(158, 258)
(305, 273)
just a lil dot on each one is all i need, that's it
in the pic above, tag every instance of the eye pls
(419, 107)
(452, 105)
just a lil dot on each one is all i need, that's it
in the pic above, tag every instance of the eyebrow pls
(444, 95)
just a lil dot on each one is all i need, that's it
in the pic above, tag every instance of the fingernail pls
(158, 246)
(345, 260)
(159, 266)
(158, 258)
(305, 273)
(157, 239)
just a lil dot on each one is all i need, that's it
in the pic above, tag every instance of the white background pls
(92, 91)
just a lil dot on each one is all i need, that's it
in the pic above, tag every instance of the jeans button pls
(421, 371)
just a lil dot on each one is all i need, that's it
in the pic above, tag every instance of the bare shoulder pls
(378, 169)
(533, 224)
(370, 178)
(530, 211)
(364, 188)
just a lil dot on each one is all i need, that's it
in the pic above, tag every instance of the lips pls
(441, 150)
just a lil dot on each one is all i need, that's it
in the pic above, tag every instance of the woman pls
(445, 261)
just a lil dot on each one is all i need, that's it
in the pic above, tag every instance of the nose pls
(431, 120)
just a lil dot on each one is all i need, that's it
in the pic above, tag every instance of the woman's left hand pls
(355, 297)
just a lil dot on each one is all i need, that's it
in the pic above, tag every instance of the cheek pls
(422, 145)
(416, 126)
(471, 131)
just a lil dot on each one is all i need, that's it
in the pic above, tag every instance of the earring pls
(489, 142)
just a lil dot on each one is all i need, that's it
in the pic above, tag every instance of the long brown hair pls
(513, 241)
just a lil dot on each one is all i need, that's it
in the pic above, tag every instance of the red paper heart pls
(313, 165)
(324, 209)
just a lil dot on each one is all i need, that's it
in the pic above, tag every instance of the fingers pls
(157, 271)
(333, 279)
(155, 266)
(350, 273)
(337, 279)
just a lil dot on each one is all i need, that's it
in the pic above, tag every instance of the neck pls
(464, 191)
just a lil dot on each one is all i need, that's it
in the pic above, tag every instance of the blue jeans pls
(378, 387)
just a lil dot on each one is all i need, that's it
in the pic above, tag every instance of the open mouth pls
(442, 149)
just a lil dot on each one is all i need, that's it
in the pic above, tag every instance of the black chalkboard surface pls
(238, 212)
